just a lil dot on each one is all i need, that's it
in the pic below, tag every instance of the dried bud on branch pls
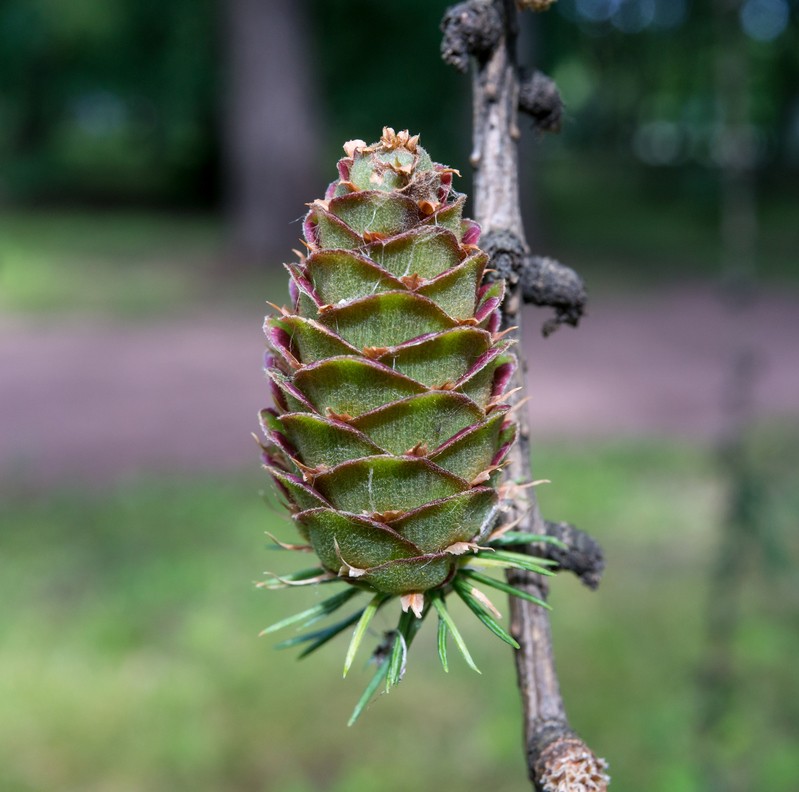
(470, 29)
(540, 99)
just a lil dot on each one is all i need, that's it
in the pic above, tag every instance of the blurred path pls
(97, 401)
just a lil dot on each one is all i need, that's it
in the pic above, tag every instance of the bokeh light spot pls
(597, 10)
(632, 16)
(669, 14)
(764, 20)
(658, 143)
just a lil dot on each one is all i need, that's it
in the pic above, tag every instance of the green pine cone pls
(387, 375)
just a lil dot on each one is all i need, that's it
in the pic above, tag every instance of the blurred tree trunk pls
(270, 128)
(738, 542)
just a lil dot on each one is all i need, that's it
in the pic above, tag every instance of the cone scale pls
(387, 373)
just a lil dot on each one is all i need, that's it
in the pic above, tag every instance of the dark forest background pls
(202, 105)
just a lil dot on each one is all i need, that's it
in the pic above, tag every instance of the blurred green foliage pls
(121, 100)
(618, 77)
(123, 264)
(626, 228)
(130, 659)
(108, 99)
(379, 64)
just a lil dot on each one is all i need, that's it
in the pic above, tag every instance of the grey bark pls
(270, 127)
(557, 758)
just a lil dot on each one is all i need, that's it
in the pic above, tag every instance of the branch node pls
(471, 28)
(507, 254)
(540, 99)
(547, 282)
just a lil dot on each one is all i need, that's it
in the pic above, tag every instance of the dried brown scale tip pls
(419, 450)
(343, 417)
(373, 353)
(460, 548)
(412, 282)
(567, 765)
(414, 602)
(391, 140)
(428, 207)
(388, 516)
(351, 146)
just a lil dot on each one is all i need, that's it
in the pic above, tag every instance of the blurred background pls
(155, 159)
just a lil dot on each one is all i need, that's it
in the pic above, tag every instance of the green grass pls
(119, 263)
(130, 661)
